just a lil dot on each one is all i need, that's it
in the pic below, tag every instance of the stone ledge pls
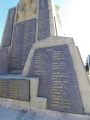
(9, 113)
(35, 101)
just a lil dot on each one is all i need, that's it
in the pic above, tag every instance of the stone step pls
(8, 113)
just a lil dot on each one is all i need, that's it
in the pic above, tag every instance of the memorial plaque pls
(8, 28)
(43, 20)
(15, 89)
(58, 83)
(23, 38)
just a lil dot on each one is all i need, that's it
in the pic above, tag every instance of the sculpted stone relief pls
(57, 15)
(26, 8)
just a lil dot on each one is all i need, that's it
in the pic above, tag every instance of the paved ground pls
(37, 114)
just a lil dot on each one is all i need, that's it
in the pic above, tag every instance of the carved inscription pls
(43, 22)
(23, 38)
(15, 89)
(8, 28)
(53, 65)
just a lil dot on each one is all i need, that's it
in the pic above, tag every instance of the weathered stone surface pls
(6, 41)
(43, 20)
(26, 9)
(20, 89)
(23, 38)
(15, 89)
(53, 65)
(8, 113)
(3, 61)
(58, 82)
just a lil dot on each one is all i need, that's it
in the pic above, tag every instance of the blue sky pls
(75, 16)
(4, 6)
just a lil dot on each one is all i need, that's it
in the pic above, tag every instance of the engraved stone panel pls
(3, 61)
(43, 20)
(58, 83)
(15, 89)
(23, 38)
(8, 28)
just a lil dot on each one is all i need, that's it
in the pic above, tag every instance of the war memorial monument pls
(39, 68)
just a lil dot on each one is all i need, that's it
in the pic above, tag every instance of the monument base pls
(21, 92)
(57, 62)
(55, 79)
(9, 113)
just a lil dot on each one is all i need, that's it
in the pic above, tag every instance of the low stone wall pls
(35, 101)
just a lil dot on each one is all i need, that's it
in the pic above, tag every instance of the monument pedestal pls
(19, 91)
(55, 78)
(57, 62)
(52, 73)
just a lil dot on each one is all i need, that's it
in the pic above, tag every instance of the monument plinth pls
(41, 68)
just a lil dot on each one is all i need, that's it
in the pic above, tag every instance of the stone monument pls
(38, 67)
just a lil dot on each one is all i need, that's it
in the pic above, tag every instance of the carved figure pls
(27, 2)
(30, 10)
(26, 9)
(21, 12)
